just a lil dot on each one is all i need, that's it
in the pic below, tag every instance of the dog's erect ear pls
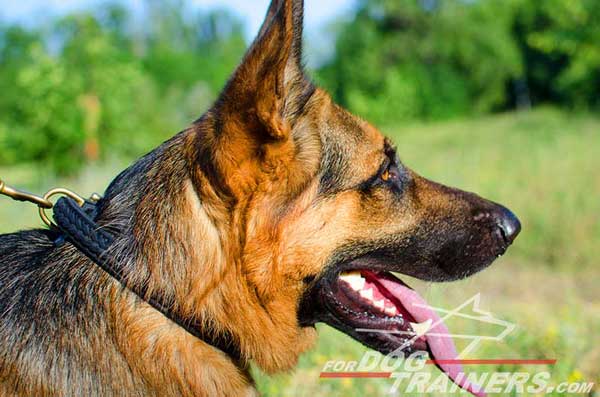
(270, 87)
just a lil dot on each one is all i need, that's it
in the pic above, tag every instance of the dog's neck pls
(173, 250)
(175, 236)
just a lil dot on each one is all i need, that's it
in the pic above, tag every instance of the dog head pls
(311, 208)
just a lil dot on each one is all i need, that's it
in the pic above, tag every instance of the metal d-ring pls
(56, 192)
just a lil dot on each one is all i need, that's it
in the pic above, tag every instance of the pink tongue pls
(438, 338)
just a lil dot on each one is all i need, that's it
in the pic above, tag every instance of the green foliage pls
(68, 109)
(100, 83)
(86, 87)
(561, 45)
(411, 60)
(435, 59)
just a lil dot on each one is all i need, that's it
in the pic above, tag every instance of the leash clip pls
(20, 195)
(44, 202)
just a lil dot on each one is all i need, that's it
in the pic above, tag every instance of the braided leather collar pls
(79, 228)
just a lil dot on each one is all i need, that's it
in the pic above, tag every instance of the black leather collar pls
(78, 226)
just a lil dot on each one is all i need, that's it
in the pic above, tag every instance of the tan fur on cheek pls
(311, 238)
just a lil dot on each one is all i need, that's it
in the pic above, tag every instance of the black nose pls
(508, 223)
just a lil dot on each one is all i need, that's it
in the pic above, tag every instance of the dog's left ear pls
(270, 86)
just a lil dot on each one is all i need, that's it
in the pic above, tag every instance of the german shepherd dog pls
(274, 211)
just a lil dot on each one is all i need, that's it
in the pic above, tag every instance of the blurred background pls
(497, 97)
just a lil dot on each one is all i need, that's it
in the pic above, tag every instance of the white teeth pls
(357, 282)
(391, 311)
(354, 279)
(367, 294)
(421, 328)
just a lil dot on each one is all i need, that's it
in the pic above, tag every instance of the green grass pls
(544, 165)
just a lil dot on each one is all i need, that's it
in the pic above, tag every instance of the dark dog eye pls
(391, 174)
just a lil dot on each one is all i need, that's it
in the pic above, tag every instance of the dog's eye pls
(385, 176)
(391, 174)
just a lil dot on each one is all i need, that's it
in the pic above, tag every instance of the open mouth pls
(379, 310)
(361, 300)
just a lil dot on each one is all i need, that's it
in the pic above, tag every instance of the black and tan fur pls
(235, 221)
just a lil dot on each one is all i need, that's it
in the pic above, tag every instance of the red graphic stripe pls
(355, 374)
(497, 361)
(337, 375)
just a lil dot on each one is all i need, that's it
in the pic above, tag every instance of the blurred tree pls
(89, 85)
(560, 42)
(426, 59)
(184, 48)
(72, 106)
